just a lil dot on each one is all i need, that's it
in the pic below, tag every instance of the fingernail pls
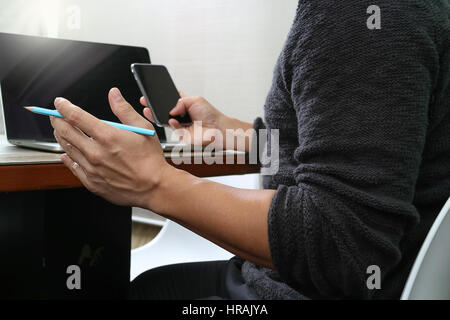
(117, 96)
(58, 102)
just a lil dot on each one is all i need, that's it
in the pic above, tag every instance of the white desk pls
(13, 155)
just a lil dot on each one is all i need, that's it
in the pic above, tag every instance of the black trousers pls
(198, 280)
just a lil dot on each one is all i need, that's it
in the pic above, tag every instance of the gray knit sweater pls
(364, 120)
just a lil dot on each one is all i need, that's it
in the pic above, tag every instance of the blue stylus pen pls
(55, 113)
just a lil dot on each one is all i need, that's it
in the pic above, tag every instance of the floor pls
(142, 234)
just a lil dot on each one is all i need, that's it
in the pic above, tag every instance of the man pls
(364, 124)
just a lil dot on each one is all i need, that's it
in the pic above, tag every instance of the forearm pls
(235, 219)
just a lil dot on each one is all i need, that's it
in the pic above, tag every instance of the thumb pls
(180, 108)
(124, 111)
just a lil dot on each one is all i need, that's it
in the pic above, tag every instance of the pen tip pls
(29, 108)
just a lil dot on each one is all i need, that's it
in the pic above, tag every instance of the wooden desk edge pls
(56, 176)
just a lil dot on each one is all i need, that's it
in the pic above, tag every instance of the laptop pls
(35, 70)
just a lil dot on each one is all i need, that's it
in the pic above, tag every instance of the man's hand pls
(121, 166)
(199, 109)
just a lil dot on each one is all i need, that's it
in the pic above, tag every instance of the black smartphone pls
(159, 91)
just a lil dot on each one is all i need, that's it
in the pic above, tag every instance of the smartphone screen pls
(159, 91)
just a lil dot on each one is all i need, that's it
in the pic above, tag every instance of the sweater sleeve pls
(361, 100)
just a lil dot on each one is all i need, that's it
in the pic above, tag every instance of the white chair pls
(429, 278)
(176, 244)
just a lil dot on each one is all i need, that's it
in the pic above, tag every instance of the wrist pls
(232, 123)
(163, 198)
(236, 134)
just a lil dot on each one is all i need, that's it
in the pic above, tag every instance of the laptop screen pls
(35, 70)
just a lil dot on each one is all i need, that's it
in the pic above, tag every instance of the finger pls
(75, 168)
(72, 135)
(184, 104)
(81, 119)
(179, 109)
(148, 114)
(124, 111)
(73, 152)
(143, 102)
(147, 111)
(175, 124)
(182, 94)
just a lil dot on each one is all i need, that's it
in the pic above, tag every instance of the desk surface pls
(12, 155)
(25, 169)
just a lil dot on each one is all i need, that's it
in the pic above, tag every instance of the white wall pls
(224, 50)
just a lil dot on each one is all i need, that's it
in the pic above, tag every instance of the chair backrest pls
(429, 278)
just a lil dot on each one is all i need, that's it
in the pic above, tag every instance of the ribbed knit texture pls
(364, 122)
